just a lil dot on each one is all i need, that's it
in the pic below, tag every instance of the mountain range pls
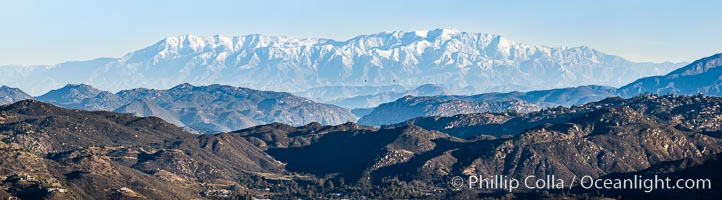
(392, 115)
(700, 76)
(411, 107)
(373, 100)
(472, 62)
(52, 152)
(213, 108)
(336, 93)
(703, 76)
(241, 108)
(56, 153)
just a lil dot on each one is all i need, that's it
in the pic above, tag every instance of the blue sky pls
(48, 32)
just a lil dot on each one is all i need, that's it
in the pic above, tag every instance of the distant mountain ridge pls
(334, 93)
(12, 95)
(477, 62)
(70, 95)
(369, 101)
(411, 107)
(701, 76)
(214, 107)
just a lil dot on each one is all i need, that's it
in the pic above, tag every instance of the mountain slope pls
(616, 135)
(370, 148)
(607, 137)
(368, 101)
(103, 155)
(331, 93)
(45, 128)
(553, 97)
(215, 107)
(702, 76)
(146, 108)
(73, 154)
(76, 96)
(697, 113)
(411, 107)
(12, 95)
(479, 62)
(695, 168)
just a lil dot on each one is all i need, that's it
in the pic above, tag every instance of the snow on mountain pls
(448, 57)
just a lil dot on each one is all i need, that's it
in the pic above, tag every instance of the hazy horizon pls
(49, 32)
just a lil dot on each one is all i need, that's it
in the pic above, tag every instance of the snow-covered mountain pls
(478, 61)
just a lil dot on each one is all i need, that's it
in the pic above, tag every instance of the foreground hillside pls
(53, 152)
(73, 154)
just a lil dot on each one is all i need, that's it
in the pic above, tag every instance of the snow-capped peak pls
(421, 33)
(442, 56)
(441, 34)
(193, 42)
